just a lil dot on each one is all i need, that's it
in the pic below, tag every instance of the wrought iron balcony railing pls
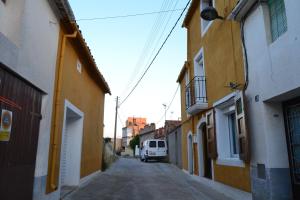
(195, 94)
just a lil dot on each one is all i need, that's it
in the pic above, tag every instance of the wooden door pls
(292, 122)
(20, 102)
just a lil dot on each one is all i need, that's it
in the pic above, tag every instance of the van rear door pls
(162, 149)
(152, 148)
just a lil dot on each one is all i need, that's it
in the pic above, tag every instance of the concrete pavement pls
(130, 179)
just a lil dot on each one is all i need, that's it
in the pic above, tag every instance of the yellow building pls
(214, 137)
(77, 120)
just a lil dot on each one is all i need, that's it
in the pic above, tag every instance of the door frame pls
(286, 104)
(73, 108)
(190, 153)
(201, 164)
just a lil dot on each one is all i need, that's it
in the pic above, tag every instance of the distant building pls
(132, 128)
(126, 136)
(147, 133)
(169, 125)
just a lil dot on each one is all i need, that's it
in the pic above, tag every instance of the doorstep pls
(226, 190)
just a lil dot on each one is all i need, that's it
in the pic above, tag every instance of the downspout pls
(55, 144)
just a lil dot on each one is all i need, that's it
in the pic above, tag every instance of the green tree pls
(135, 141)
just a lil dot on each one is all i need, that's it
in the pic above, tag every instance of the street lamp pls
(210, 13)
(165, 106)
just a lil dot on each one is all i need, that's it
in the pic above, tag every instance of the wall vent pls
(79, 66)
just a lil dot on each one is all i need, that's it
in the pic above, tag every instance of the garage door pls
(20, 106)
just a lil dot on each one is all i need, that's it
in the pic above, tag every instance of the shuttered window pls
(244, 151)
(278, 18)
(211, 135)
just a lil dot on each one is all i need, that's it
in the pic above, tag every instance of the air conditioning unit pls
(241, 9)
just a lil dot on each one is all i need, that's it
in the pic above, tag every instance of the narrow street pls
(130, 179)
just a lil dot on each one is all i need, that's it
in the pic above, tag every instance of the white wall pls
(29, 33)
(273, 71)
(11, 19)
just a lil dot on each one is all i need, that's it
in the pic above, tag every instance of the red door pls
(20, 106)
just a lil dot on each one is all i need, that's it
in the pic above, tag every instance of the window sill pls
(235, 162)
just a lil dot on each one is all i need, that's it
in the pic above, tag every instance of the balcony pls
(195, 95)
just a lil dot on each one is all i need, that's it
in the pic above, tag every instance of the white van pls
(153, 149)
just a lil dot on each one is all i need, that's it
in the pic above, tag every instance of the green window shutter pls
(278, 18)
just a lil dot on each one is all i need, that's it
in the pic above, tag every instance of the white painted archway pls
(70, 159)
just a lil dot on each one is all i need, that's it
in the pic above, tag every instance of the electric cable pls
(159, 50)
(162, 33)
(128, 15)
(159, 21)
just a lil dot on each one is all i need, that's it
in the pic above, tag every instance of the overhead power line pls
(159, 50)
(128, 15)
(158, 23)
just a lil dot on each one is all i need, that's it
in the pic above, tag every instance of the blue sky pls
(118, 44)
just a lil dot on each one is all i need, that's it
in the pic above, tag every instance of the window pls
(188, 97)
(204, 23)
(161, 144)
(233, 136)
(278, 18)
(152, 144)
(199, 79)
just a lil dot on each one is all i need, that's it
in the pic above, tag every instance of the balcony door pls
(199, 79)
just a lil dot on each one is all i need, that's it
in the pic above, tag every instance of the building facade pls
(215, 142)
(126, 136)
(132, 128)
(271, 34)
(28, 55)
(147, 133)
(75, 152)
(52, 97)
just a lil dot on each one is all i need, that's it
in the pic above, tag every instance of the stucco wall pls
(273, 71)
(85, 93)
(174, 147)
(24, 25)
(273, 78)
(11, 19)
(223, 63)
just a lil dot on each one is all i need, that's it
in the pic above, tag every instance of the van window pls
(161, 144)
(152, 144)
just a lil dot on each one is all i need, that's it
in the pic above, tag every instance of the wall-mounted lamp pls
(210, 13)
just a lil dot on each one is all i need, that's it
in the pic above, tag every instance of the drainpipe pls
(55, 144)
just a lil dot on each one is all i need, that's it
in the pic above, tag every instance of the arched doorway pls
(205, 166)
(190, 153)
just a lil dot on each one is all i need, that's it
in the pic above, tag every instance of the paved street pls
(130, 179)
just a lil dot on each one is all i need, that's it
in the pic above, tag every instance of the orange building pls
(132, 128)
(136, 124)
